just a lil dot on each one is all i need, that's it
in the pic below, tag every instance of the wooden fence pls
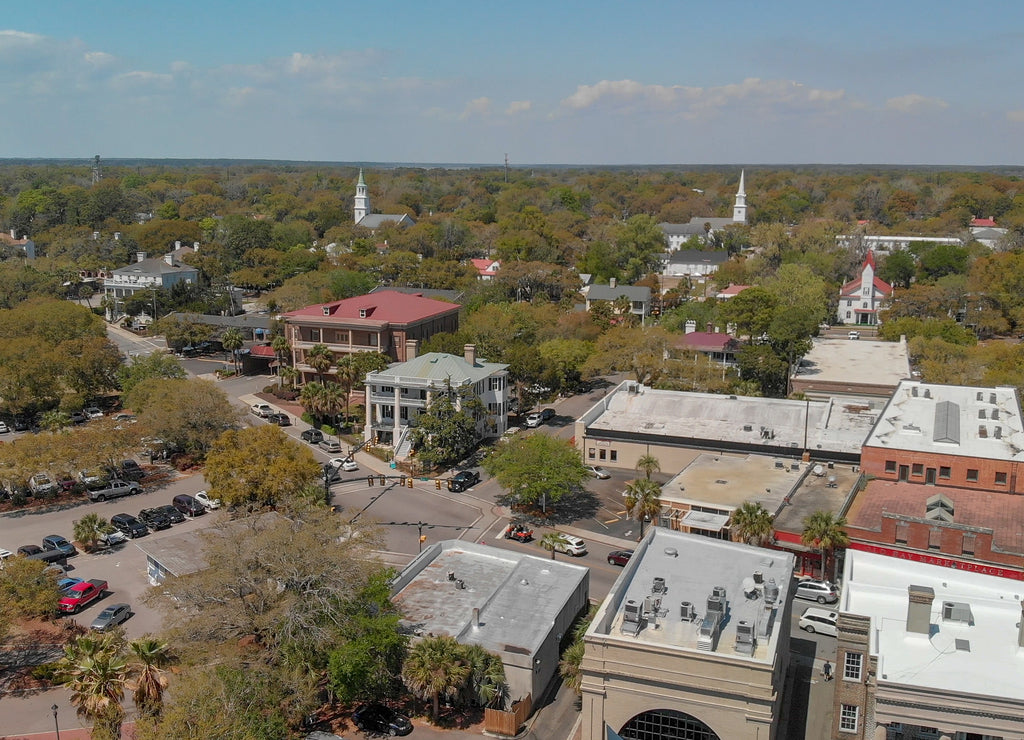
(507, 723)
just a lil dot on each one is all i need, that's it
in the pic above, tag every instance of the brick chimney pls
(707, 327)
(919, 609)
(411, 345)
(470, 354)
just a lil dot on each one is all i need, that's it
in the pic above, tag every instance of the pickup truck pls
(81, 595)
(115, 489)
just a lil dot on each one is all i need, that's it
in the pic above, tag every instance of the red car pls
(619, 557)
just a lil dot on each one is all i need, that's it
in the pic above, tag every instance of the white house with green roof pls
(396, 396)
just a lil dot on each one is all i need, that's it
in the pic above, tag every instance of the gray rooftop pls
(514, 592)
(695, 226)
(692, 566)
(737, 422)
(608, 293)
(437, 366)
(376, 220)
(154, 266)
(951, 419)
(862, 362)
(697, 256)
(727, 481)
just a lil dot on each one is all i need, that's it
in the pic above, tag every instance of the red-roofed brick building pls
(860, 299)
(377, 322)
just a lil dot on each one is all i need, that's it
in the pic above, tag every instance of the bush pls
(308, 418)
(269, 388)
(329, 430)
(45, 672)
(19, 499)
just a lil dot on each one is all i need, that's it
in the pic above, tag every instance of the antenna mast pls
(97, 174)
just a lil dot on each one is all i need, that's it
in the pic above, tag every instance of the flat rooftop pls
(727, 480)
(876, 586)
(861, 362)
(777, 423)
(953, 420)
(692, 566)
(1001, 513)
(824, 489)
(514, 593)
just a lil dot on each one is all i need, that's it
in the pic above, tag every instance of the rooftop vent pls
(758, 577)
(771, 591)
(957, 611)
(687, 611)
(632, 611)
(718, 591)
(672, 552)
(964, 645)
(748, 427)
(707, 636)
(658, 586)
(927, 392)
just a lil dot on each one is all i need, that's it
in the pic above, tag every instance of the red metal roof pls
(704, 340)
(983, 222)
(386, 306)
(484, 267)
(262, 350)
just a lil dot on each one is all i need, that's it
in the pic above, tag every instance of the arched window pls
(666, 724)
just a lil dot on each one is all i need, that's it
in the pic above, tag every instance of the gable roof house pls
(693, 262)
(146, 273)
(486, 268)
(24, 244)
(639, 296)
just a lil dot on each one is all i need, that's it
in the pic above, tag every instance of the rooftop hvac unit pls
(758, 577)
(718, 591)
(707, 636)
(716, 605)
(748, 428)
(745, 638)
(957, 611)
(771, 591)
(632, 611)
(659, 585)
(687, 612)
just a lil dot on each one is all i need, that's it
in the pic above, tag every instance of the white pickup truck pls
(115, 489)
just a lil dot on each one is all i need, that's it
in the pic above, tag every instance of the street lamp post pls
(56, 726)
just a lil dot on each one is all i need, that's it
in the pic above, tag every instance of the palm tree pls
(648, 464)
(486, 684)
(643, 500)
(151, 657)
(311, 397)
(95, 670)
(233, 340)
(435, 667)
(320, 358)
(569, 666)
(280, 346)
(751, 523)
(88, 529)
(348, 374)
(287, 374)
(552, 540)
(332, 401)
(825, 532)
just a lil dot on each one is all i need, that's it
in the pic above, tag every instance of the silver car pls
(111, 616)
(821, 591)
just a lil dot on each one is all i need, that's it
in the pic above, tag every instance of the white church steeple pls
(362, 202)
(739, 210)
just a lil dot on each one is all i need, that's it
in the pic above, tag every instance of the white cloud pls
(915, 103)
(1015, 116)
(518, 106)
(478, 107)
(691, 102)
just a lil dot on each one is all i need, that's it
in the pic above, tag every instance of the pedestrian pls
(826, 671)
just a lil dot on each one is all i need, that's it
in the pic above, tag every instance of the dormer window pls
(327, 310)
(362, 313)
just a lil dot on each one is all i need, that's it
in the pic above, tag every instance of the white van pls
(818, 620)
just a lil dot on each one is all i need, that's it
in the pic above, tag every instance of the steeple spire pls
(739, 210)
(361, 207)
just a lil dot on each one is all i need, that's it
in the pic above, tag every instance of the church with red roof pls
(861, 298)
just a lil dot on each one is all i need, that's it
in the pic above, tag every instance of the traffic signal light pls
(423, 538)
(369, 481)
(409, 481)
(383, 481)
(401, 481)
(437, 483)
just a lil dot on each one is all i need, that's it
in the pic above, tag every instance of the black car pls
(282, 420)
(175, 516)
(155, 519)
(29, 550)
(128, 525)
(461, 481)
(313, 436)
(79, 417)
(131, 470)
(382, 719)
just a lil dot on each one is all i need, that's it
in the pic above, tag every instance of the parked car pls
(81, 595)
(819, 620)
(111, 539)
(92, 478)
(619, 557)
(262, 410)
(344, 463)
(853, 335)
(125, 418)
(41, 483)
(519, 532)
(204, 498)
(571, 545)
(94, 412)
(64, 584)
(175, 516)
(79, 417)
(378, 718)
(130, 470)
(128, 525)
(814, 590)
(115, 489)
(329, 445)
(111, 616)
(313, 436)
(154, 519)
(282, 420)
(58, 569)
(27, 550)
(4, 429)
(60, 544)
(598, 472)
(188, 505)
(533, 420)
(462, 480)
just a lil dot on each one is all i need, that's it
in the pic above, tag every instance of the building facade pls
(662, 660)
(398, 395)
(639, 296)
(383, 322)
(861, 298)
(145, 274)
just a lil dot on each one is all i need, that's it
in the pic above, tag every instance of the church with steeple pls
(362, 215)
(703, 226)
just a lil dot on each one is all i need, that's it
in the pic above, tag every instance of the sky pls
(557, 82)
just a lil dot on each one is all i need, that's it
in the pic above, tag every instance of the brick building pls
(942, 485)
